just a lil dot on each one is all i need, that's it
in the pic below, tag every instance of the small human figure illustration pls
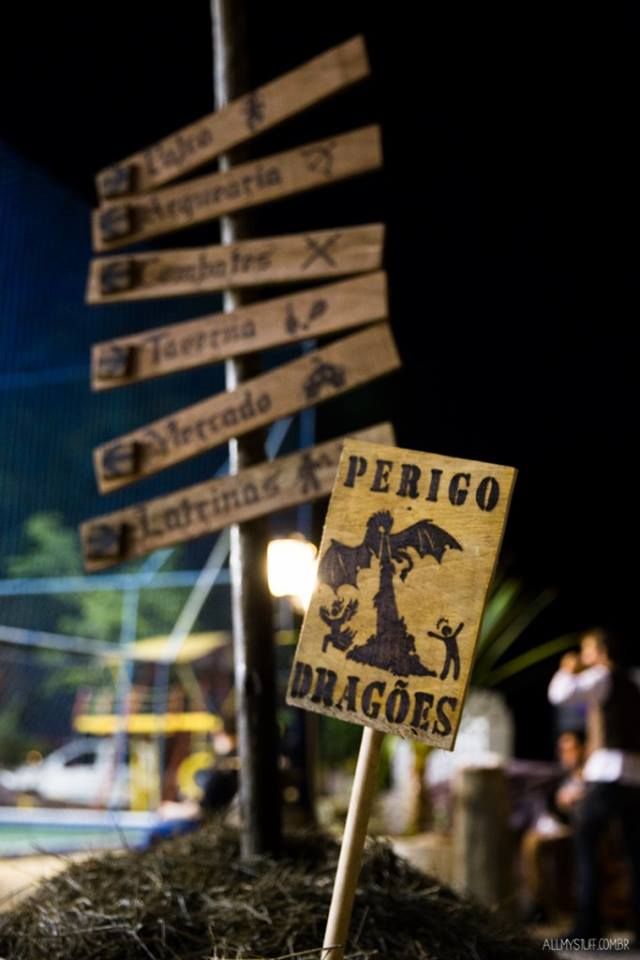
(450, 639)
(308, 469)
(335, 618)
(254, 110)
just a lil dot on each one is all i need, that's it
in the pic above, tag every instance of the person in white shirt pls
(612, 771)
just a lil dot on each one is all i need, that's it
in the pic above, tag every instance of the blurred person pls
(593, 677)
(544, 845)
(219, 790)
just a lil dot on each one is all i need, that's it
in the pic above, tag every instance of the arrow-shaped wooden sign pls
(311, 379)
(241, 120)
(181, 346)
(206, 507)
(193, 270)
(123, 222)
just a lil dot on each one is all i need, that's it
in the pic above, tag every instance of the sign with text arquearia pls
(120, 223)
(408, 550)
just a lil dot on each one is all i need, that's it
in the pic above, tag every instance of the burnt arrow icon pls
(115, 222)
(120, 460)
(116, 276)
(103, 541)
(117, 181)
(114, 362)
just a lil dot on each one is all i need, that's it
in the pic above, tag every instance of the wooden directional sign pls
(119, 223)
(239, 121)
(408, 551)
(311, 379)
(312, 313)
(191, 270)
(210, 506)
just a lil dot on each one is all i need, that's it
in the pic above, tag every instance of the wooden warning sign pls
(120, 223)
(241, 120)
(311, 379)
(191, 270)
(180, 346)
(206, 507)
(408, 551)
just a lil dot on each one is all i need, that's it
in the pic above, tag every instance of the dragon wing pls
(426, 538)
(341, 564)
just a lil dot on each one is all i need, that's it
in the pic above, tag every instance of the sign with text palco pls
(313, 378)
(181, 346)
(269, 260)
(119, 223)
(207, 507)
(238, 122)
(407, 555)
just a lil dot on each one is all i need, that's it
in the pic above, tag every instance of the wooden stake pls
(355, 830)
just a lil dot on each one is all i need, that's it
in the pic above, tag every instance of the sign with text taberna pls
(407, 555)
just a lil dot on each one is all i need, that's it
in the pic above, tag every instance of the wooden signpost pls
(123, 222)
(359, 658)
(237, 122)
(408, 551)
(193, 270)
(311, 379)
(207, 507)
(181, 346)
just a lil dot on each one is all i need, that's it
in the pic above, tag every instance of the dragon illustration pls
(392, 647)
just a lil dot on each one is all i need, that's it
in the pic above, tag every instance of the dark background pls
(507, 193)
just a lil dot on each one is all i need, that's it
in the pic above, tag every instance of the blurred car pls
(82, 772)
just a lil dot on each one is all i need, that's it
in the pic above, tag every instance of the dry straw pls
(191, 898)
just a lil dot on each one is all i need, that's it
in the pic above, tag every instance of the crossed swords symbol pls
(320, 250)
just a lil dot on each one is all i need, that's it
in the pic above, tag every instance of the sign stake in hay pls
(408, 551)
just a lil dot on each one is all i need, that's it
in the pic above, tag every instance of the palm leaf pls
(498, 609)
(525, 615)
(528, 659)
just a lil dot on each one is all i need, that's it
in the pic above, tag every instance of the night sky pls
(507, 193)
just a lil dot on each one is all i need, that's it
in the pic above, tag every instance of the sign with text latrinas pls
(206, 507)
(313, 378)
(408, 550)
(270, 260)
(181, 346)
(238, 122)
(123, 222)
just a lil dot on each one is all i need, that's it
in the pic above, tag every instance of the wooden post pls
(482, 854)
(254, 660)
(355, 830)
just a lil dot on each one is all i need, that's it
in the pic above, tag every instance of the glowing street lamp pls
(291, 569)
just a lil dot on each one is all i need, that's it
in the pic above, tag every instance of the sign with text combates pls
(248, 263)
(407, 555)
